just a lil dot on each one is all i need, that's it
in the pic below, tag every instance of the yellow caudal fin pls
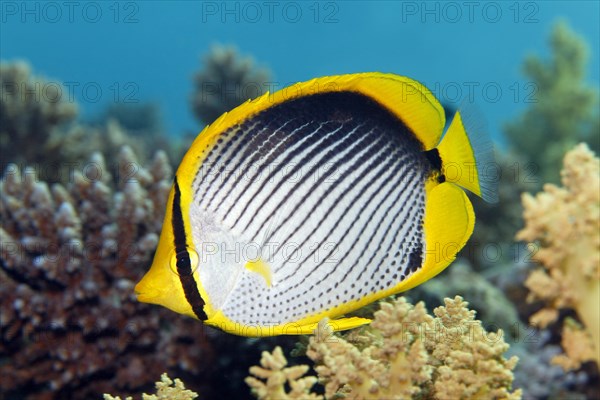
(467, 158)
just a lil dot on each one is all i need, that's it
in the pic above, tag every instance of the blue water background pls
(149, 50)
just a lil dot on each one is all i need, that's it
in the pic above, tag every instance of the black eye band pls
(184, 267)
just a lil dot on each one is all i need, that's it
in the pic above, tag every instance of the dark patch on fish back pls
(347, 108)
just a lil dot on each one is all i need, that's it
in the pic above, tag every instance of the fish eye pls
(184, 262)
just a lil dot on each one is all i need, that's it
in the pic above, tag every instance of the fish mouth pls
(148, 297)
(143, 293)
(143, 299)
(140, 296)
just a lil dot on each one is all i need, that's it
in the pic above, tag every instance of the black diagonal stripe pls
(384, 181)
(375, 160)
(226, 171)
(386, 253)
(279, 149)
(211, 161)
(380, 224)
(252, 155)
(306, 159)
(184, 266)
(216, 167)
(311, 174)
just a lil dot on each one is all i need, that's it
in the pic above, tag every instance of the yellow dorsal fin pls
(406, 98)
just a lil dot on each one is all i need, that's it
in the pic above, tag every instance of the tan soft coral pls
(166, 389)
(566, 223)
(407, 353)
(447, 356)
(275, 375)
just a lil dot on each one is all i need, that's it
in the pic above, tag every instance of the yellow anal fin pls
(261, 268)
(343, 324)
(340, 324)
(291, 328)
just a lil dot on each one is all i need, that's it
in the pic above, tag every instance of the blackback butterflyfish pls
(314, 201)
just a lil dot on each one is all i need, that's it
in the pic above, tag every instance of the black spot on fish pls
(415, 260)
(433, 156)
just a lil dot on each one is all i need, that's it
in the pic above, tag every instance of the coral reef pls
(273, 370)
(226, 81)
(166, 389)
(72, 148)
(70, 324)
(490, 303)
(407, 353)
(138, 125)
(566, 223)
(563, 110)
(139, 119)
(30, 108)
(33, 110)
(492, 243)
(537, 376)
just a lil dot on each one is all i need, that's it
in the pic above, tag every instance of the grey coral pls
(30, 108)
(70, 254)
(226, 81)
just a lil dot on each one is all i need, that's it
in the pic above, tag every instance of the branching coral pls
(566, 222)
(75, 145)
(408, 353)
(33, 110)
(491, 304)
(30, 109)
(538, 377)
(227, 80)
(564, 108)
(275, 375)
(492, 242)
(166, 389)
(143, 119)
(70, 324)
